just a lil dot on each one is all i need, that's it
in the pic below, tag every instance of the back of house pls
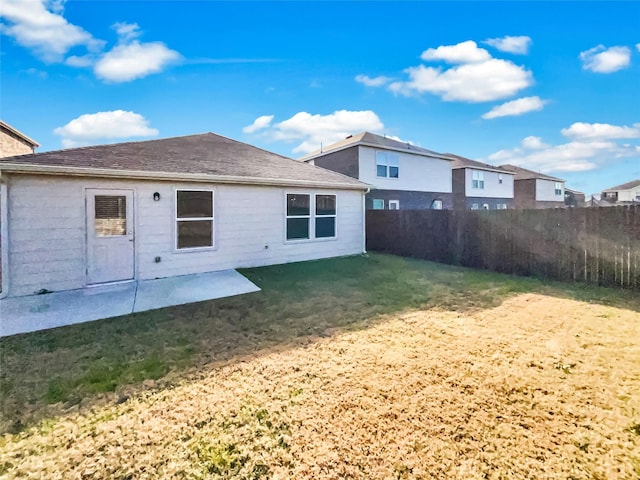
(152, 209)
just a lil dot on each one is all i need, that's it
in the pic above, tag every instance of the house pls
(535, 190)
(402, 175)
(14, 142)
(624, 194)
(480, 186)
(574, 198)
(161, 208)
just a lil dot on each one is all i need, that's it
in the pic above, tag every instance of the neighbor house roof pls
(4, 125)
(203, 157)
(462, 162)
(624, 186)
(377, 141)
(524, 174)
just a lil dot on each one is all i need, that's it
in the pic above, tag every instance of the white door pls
(110, 242)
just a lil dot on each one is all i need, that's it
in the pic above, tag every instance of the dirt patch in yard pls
(538, 387)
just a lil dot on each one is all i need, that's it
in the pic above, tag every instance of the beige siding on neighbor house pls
(492, 186)
(11, 144)
(630, 195)
(47, 233)
(416, 172)
(545, 191)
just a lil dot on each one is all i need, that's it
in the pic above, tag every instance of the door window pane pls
(110, 215)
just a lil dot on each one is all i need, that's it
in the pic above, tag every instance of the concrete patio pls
(41, 312)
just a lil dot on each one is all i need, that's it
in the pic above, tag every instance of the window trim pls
(396, 203)
(557, 191)
(373, 200)
(437, 202)
(213, 245)
(386, 164)
(477, 183)
(312, 217)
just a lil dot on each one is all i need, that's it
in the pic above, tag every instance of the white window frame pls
(502, 206)
(477, 179)
(474, 206)
(312, 218)
(557, 188)
(373, 206)
(334, 216)
(485, 206)
(500, 178)
(387, 160)
(193, 219)
(436, 204)
(394, 202)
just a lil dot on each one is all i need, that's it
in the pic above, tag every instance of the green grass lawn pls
(46, 374)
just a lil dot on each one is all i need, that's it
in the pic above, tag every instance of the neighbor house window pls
(325, 216)
(378, 204)
(298, 216)
(194, 219)
(558, 188)
(305, 222)
(436, 205)
(477, 179)
(485, 206)
(474, 206)
(387, 164)
(394, 204)
(502, 206)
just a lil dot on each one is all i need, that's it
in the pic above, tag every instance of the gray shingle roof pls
(374, 140)
(624, 186)
(524, 174)
(462, 162)
(205, 155)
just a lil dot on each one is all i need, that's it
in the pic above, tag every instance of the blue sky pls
(554, 86)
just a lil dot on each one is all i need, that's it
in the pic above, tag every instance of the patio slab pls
(40, 312)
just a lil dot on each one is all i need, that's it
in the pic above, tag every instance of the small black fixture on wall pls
(156, 196)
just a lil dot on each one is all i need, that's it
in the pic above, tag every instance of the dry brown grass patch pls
(538, 387)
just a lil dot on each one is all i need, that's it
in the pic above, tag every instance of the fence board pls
(595, 245)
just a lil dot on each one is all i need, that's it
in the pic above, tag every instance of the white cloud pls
(605, 60)
(313, 130)
(372, 81)
(534, 143)
(128, 62)
(600, 131)
(638, 46)
(126, 31)
(584, 152)
(465, 52)
(117, 124)
(516, 107)
(259, 123)
(39, 26)
(493, 79)
(518, 45)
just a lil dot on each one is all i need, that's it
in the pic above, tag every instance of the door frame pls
(132, 224)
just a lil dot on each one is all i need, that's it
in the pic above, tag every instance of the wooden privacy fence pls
(595, 245)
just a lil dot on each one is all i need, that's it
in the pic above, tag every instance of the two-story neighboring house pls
(624, 194)
(14, 142)
(480, 186)
(535, 190)
(403, 176)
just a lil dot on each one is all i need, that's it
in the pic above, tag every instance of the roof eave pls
(17, 132)
(166, 176)
(488, 169)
